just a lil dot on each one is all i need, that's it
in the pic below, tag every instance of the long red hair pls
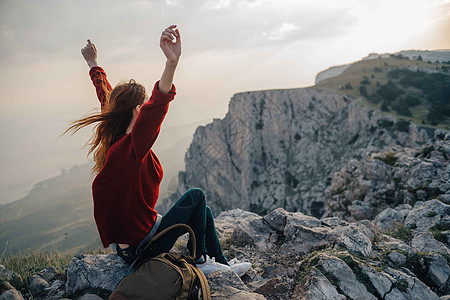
(113, 120)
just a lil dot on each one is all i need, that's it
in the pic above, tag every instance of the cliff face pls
(280, 148)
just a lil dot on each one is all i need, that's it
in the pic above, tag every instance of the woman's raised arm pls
(151, 114)
(98, 75)
(170, 44)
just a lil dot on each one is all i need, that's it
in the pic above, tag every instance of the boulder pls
(101, 271)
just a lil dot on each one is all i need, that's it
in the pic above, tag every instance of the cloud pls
(130, 30)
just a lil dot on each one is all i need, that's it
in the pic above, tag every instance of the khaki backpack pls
(165, 276)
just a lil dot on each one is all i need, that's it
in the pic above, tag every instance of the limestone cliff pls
(280, 148)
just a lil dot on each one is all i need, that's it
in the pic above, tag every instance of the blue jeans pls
(190, 209)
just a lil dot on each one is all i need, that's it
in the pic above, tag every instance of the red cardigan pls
(125, 191)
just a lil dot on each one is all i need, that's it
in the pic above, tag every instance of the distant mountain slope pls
(58, 212)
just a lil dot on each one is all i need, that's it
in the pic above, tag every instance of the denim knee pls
(209, 214)
(197, 195)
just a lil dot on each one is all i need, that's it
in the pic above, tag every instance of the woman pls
(128, 173)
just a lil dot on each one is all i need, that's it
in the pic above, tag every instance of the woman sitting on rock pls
(128, 173)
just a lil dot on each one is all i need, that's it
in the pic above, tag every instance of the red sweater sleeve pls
(148, 123)
(102, 86)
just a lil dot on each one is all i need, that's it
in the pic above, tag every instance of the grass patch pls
(439, 236)
(30, 262)
(441, 227)
(330, 276)
(401, 233)
(437, 231)
(431, 214)
(389, 158)
(401, 284)
(426, 151)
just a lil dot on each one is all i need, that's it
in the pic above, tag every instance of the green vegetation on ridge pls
(411, 89)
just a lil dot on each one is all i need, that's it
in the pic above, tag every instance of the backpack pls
(165, 276)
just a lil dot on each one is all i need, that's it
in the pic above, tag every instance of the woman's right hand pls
(90, 54)
(171, 48)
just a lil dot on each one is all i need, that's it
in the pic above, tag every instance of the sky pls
(228, 46)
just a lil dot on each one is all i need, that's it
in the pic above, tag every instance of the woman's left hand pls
(171, 48)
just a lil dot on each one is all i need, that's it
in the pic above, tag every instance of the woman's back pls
(126, 189)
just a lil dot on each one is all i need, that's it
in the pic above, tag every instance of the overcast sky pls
(228, 46)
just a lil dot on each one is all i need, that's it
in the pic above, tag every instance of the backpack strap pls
(158, 235)
(206, 293)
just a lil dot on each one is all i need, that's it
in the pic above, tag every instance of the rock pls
(48, 274)
(347, 281)
(396, 258)
(425, 242)
(11, 294)
(385, 185)
(438, 270)
(307, 238)
(90, 297)
(274, 288)
(230, 219)
(427, 215)
(380, 280)
(333, 222)
(12, 277)
(276, 219)
(38, 285)
(227, 285)
(253, 232)
(444, 198)
(316, 287)
(57, 289)
(415, 289)
(390, 218)
(94, 271)
(395, 294)
(299, 257)
(351, 238)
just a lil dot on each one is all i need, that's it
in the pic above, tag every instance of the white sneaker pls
(240, 268)
(210, 265)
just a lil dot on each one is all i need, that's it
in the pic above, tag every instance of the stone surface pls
(94, 271)
(227, 285)
(347, 281)
(380, 280)
(89, 297)
(11, 294)
(415, 289)
(353, 239)
(274, 288)
(37, 285)
(317, 287)
(295, 256)
(384, 186)
(12, 277)
(425, 242)
(48, 274)
(439, 270)
(397, 258)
